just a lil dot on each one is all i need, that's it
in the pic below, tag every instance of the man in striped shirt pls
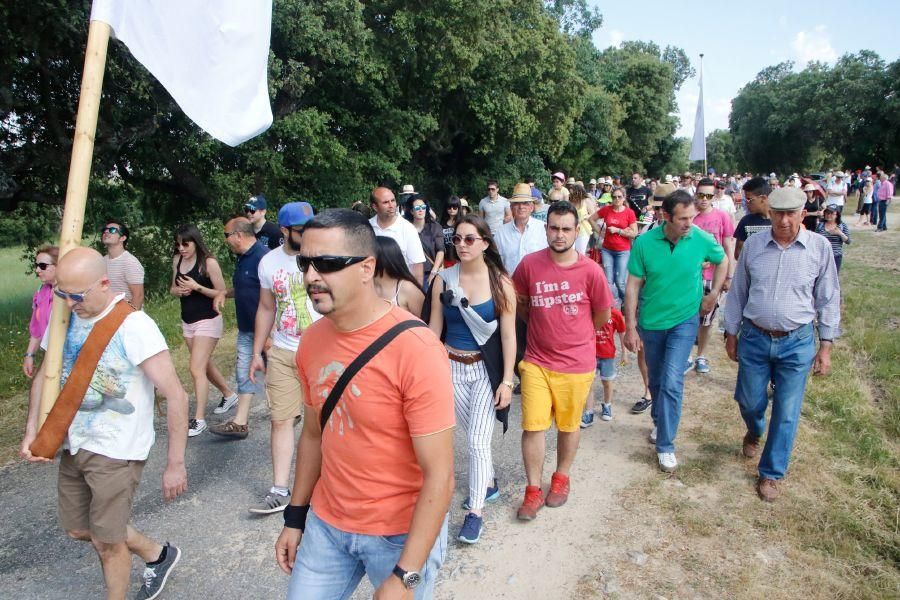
(785, 281)
(125, 272)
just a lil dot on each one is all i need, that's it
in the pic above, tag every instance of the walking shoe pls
(606, 412)
(534, 501)
(702, 364)
(491, 496)
(641, 405)
(230, 429)
(767, 489)
(226, 404)
(155, 576)
(667, 461)
(652, 436)
(272, 503)
(587, 419)
(689, 366)
(559, 490)
(196, 427)
(751, 445)
(471, 529)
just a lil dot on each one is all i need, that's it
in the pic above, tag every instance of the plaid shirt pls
(783, 289)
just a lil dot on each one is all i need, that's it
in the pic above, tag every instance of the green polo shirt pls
(673, 285)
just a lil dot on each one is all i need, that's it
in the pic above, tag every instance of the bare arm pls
(265, 319)
(738, 244)
(31, 421)
(436, 320)
(161, 371)
(709, 300)
(632, 292)
(434, 453)
(413, 297)
(507, 215)
(503, 395)
(728, 243)
(137, 294)
(418, 271)
(215, 275)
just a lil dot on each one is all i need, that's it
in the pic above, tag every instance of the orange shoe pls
(559, 490)
(534, 501)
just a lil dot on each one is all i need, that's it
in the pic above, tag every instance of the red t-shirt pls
(561, 301)
(370, 478)
(718, 224)
(622, 219)
(606, 337)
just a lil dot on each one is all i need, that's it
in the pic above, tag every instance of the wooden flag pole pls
(76, 198)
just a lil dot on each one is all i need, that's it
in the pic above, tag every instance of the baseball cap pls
(831, 208)
(559, 175)
(295, 213)
(255, 203)
(787, 199)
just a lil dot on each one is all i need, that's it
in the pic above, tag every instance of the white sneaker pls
(652, 437)
(667, 461)
(196, 427)
(226, 404)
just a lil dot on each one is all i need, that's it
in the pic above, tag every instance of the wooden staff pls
(76, 198)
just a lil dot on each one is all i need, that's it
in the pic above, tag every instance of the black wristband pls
(295, 516)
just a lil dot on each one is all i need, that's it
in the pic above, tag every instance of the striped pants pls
(474, 402)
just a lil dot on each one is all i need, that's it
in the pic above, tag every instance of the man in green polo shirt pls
(665, 277)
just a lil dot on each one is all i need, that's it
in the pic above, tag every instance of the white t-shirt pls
(116, 415)
(835, 193)
(725, 204)
(494, 211)
(404, 233)
(279, 273)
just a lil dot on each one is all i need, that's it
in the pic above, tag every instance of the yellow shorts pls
(547, 395)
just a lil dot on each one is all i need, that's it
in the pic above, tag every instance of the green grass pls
(15, 312)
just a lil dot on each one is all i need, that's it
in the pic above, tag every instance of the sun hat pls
(571, 181)
(408, 189)
(593, 182)
(839, 174)
(521, 193)
(809, 188)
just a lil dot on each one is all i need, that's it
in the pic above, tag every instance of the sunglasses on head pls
(327, 263)
(42, 265)
(111, 230)
(76, 298)
(469, 239)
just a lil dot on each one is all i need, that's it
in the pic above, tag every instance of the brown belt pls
(466, 359)
(771, 333)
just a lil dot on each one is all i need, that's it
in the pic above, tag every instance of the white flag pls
(698, 145)
(211, 55)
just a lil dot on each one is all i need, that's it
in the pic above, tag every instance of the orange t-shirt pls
(370, 479)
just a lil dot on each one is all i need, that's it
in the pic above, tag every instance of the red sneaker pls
(534, 500)
(559, 490)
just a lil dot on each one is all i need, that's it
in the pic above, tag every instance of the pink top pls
(886, 191)
(40, 313)
(561, 302)
(718, 224)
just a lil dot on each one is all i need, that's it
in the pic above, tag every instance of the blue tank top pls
(458, 334)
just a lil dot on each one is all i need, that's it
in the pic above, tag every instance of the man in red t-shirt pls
(564, 298)
(719, 224)
(376, 482)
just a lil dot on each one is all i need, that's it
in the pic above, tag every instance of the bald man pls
(111, 435)
(245, 290)
(388, 223)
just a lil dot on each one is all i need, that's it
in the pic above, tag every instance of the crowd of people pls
(382, 327)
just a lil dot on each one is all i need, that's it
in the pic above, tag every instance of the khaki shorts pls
(283, 395)
(548, 395)
(96, 493)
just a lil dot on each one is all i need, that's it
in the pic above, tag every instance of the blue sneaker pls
(587, 419)
(689, 366)
(606, 412)
(491, 496)
(702, 364)
(471, 529)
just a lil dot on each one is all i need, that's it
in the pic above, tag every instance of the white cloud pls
(813, 45)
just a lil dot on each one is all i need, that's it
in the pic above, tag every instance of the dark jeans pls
(879, 214)
(838, 258)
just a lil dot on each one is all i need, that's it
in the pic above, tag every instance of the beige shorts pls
(96, 493)
(283, 395)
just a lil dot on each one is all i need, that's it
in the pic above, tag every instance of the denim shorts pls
(244, 350)
(606, 368)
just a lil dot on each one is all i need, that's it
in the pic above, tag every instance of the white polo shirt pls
(404, 233)
(514, 245)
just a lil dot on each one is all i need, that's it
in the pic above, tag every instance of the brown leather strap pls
(466, 359)
(56, 427)
(770, 332)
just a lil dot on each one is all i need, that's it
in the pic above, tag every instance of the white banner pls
(211, 55)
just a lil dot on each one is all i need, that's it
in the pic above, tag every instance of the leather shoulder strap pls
(358, 363)
(56, 427)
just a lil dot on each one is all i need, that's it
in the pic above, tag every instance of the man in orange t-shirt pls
(371, 490)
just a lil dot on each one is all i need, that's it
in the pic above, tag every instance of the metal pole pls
(705, 169)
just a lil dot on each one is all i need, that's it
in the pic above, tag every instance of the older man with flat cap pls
(785, 284)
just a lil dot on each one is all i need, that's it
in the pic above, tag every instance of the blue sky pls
(739, 39)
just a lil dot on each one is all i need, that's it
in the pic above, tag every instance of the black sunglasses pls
(249, 208)
(43, 266)
(326, 263)
(111, 230)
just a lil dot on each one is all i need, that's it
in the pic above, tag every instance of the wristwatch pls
(410, 579)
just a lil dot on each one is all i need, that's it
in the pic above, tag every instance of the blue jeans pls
(667, 352)
(244, 350)
(615, 266)
(330, 562)
(786, 361)
(879, 214)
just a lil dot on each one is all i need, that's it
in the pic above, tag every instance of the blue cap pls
(256, 203)
(295, 213)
